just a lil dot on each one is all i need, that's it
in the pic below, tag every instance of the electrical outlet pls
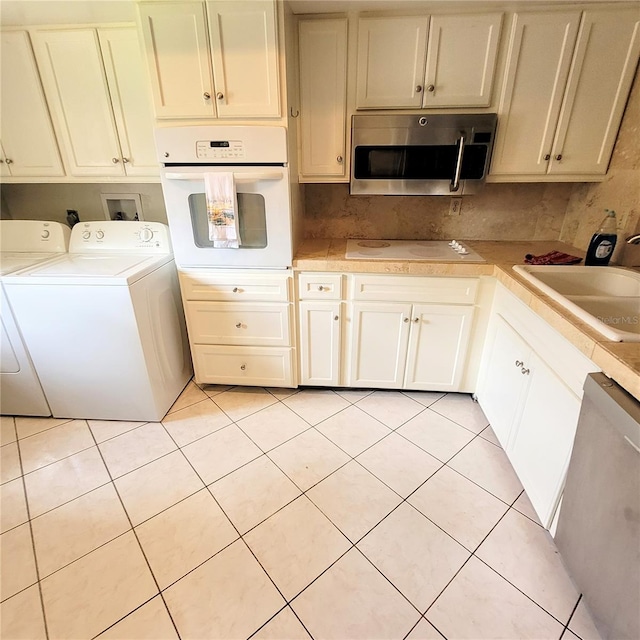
(455, 206)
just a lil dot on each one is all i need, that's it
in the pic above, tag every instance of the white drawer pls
(256, 366)
(320, 286)
(267, 325)
(235, 287)
(414, 288)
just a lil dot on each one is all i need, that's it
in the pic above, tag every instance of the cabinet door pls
(177, 51)
(540, 52)
(438, 346)
(541, 444)
(75, 85)
(601, 75)
(391, 60)
(503, 384)
(28, 141)
(461, 60)
(244, 52)
(130, 99)
(323, 86)
(379, 340)
(320, 342)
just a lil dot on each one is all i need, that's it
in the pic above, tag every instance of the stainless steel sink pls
(605, 298)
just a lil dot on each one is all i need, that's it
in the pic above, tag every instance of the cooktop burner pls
(425, 250)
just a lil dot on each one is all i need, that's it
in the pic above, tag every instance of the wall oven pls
(257, 158)
(421, 155)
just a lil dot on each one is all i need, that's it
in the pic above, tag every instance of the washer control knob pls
(45, 234)
(86, 234)
(146, 235)
(99, 235)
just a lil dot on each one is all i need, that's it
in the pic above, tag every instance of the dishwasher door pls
(598, 531)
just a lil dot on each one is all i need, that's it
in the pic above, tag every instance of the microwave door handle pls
(455, 183)
(239, 177)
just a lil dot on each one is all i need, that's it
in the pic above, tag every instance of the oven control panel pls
(220, 150)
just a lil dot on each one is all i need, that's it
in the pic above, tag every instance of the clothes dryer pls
(23, 244)
(104, 324)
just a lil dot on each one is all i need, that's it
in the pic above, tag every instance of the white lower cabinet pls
(530, 390)
(320, 342)
(237, 337)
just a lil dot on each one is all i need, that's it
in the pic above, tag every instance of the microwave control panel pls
(220, 150)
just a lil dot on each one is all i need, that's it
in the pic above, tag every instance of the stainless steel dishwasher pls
(598, 531)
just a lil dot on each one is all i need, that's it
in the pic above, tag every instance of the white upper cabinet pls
(461, 60)
(567, 79)
(220, 59)
(99, 107)
(244, 52)
(177, 49)
(391, 61)
(130, 99)
(323, 86)
(599, 82)
(414, 62)
(28, 141)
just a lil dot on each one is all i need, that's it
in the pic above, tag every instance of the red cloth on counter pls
(553, 257)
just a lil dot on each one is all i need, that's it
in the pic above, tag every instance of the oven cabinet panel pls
(99, 108)
(28, 142)
(461, 60)
(568, 76)
(437, 352)
(391, 62)
(250, 366)
(323, 90)
(177, 51)
(227, 63)
(241, 323)
(244, 53)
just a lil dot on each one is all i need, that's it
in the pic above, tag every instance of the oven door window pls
(252, 221)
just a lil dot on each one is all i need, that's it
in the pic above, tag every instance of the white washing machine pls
(23, 243)
(104, 323)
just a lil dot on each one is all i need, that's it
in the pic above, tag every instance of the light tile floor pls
(276, 514)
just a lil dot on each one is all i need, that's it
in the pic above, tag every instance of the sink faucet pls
(630, 256)
(634, 239)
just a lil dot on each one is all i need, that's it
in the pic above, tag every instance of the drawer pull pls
(416, 319)
(235, 290)
(239, 325)
(320, 287)
(243, 367)
(519, 363)
(525, 372)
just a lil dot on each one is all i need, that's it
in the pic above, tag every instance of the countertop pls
(618, 360)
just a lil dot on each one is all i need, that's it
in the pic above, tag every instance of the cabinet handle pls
(336, 317)
(125, 160)
(9, 161)
(339, 159)
(525, 372)
(115, 160)
(431, 88)
(406, 320)
(559, 157)
(235, 289)
(220, 95)
(243, 367)
(239, 325)
(547, 156)
(418, 89)
(519, 363)
(206, 95)
(320, 287)
(416, 319)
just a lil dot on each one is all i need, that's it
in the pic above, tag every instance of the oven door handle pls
(455, 183)
(239, 177)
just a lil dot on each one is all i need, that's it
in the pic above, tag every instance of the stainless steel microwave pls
(421, 155)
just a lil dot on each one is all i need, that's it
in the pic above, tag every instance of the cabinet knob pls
(206, 95)
(125, 160)
(336, 317)
(239, 325)
(220, 95)
(406, 320)
(166, 154)
(9, 161)
(235, 289)
(525, 372)
(559, 157)
(115, 160)
(519, 363)
(416, 319)
(243, 367)
(418, 89)
(339, 159)
(320, 287)
(431, 88)
(547, 156)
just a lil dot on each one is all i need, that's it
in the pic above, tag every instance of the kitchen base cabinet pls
(240, 327)
(530, 390)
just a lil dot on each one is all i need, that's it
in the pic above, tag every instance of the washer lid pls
(92, 268)
(10, 261)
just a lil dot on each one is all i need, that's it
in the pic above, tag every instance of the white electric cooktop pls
(425, 250)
